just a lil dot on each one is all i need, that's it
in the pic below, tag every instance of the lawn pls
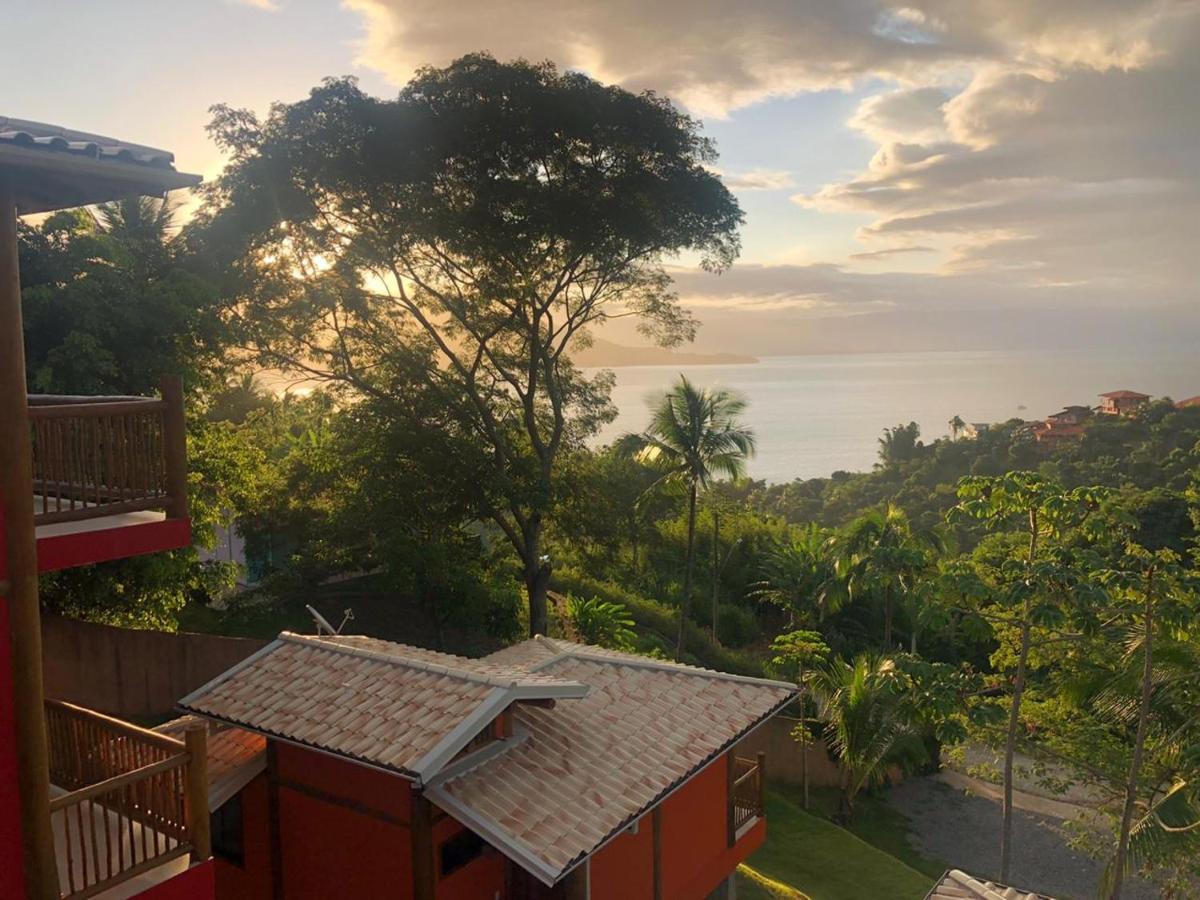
(807, 856)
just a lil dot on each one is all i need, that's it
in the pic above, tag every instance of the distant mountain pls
(606, 354)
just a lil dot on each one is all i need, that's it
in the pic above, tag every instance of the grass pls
(806, 856)
(881, 826)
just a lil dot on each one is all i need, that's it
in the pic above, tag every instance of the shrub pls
(601, 622)
(736, 625)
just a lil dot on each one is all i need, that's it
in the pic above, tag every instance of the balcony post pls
(175, 446)
(25, 624)
(762, 782)
(196, 741)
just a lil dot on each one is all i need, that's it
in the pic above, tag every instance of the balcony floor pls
(100, 523)
(121, 834)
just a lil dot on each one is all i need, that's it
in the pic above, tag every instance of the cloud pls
(267, 5)
(889, 252)
(758, 180)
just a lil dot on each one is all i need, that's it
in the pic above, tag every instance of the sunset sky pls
(942, 174)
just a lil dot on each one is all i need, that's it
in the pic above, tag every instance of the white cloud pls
(267, 5)
(758, 180)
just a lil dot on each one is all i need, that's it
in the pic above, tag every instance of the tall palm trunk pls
(687, 569)
(1139, 747)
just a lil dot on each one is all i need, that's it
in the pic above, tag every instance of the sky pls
(934, 174)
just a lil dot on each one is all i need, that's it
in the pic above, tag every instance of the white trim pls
(638, 662)
(460, 767)
(461, 734)
(229, 673)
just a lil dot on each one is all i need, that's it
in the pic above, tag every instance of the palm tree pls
(869, 724)
(880, 553)
(802, 571)
(956, 426)
(900, 444)
(695, 436)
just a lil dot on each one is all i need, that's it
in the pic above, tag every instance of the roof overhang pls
(44, 179)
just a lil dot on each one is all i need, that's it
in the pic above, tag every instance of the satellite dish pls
(321, 621)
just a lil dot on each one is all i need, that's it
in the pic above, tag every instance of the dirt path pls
(964, 830)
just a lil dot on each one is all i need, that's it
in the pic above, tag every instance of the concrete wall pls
(128, 673)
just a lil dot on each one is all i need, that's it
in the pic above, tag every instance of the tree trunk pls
(803, 736)
(1139, 746)
(1010, 743)
(716, 571)
(537, 581)
(687, 569)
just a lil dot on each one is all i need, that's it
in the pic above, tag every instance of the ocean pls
(813, 415)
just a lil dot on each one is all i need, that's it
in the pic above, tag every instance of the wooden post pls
(656, 830)
(730, 806)
(196, 741)
(16, 497)
(420, 828)
(175, 446)
(762, 782)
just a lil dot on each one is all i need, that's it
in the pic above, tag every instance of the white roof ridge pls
(399, 659)
(646, 662)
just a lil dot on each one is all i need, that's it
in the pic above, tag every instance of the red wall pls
(195, 883)
(252, 879)
(12, 876)
(695, 855)
(357, 847)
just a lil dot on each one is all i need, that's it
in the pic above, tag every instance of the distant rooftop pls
(1126, 395)
(52, 167)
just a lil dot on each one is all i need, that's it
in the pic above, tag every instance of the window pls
(227, 832)
(458, 851)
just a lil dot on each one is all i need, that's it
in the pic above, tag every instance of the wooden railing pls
(135, 799)
(747, 781)
(100, 456)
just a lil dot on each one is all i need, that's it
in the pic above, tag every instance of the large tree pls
(494, 214)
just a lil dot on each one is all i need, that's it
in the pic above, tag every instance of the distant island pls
(606, 354)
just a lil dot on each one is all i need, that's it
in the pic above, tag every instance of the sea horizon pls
(814, 414)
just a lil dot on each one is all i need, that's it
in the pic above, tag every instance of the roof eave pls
(47, 180)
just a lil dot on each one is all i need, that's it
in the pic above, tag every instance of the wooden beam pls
(16, 497)
(175, 446)
(656, 828)
(421, 832)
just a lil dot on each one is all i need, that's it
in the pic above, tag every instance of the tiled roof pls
(388, 705)
(1126, 395)
(957, 885)
(22, 133)
(580, 772)
(55, 168)
(1189, 402)
(235, 756)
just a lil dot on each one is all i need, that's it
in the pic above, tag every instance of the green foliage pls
(601, 622)
(737, 625)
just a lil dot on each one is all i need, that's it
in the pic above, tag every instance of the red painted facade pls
(343, 832)
(194, 883)
(83, 548)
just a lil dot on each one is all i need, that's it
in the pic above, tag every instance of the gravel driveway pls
(964, 830)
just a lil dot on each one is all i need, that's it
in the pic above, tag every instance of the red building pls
(1122, 403)
(549, 769)
(87, 803)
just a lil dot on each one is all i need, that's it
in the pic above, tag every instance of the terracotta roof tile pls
(235, 756)
(375, 701)
(581, 771)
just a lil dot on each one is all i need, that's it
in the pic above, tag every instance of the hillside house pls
(1189, 403)
(1122, 403)
(89, 805)
(548, 769)
(1070, 415)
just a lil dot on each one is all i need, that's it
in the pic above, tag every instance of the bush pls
(603, 623)
(736, 625)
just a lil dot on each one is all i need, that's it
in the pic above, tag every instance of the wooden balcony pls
(109, 476)
(129, 807)
(747, 783)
